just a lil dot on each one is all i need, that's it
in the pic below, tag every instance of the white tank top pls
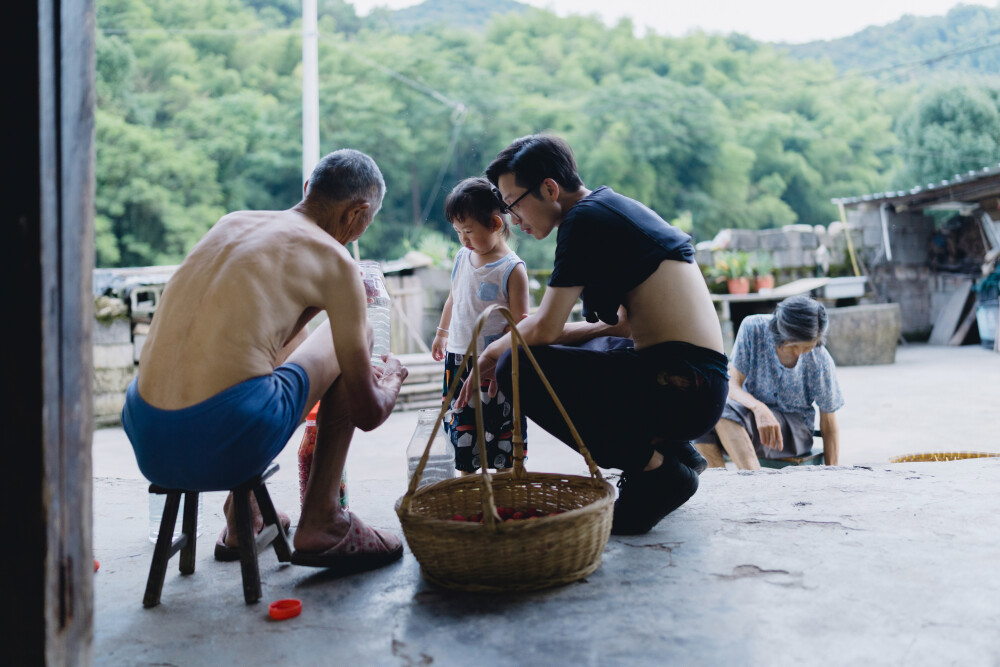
(473, 291)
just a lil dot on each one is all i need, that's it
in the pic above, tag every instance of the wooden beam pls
(47, 268)
(949, 317)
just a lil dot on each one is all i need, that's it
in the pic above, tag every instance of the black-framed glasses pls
(509, 208)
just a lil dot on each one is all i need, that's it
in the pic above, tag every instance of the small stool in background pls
(273, 534)
(814, 459)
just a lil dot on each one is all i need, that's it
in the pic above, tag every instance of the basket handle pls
(490, 515)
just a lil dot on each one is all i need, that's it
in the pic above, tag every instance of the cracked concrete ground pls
(869, 562)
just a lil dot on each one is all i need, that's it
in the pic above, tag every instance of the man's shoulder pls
(283, 226)
(278, 242)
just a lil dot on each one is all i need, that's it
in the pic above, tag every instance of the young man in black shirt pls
(645, 374)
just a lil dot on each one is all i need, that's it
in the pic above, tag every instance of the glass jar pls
(441, 460)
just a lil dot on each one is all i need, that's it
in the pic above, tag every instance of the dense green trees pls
(950, 129)
(199, 113)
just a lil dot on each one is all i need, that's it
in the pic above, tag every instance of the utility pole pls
(310, 89)
(310, 94)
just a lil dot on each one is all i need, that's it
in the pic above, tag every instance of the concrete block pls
(744, 239)
(839, 240)
(137, 344)
(800, 236)
(115, 331)
(788, 259)
(112, 380)
(864, 335)
(773, 239)
(871, 236)
(703, 257)
(109, 405)
(118, 355)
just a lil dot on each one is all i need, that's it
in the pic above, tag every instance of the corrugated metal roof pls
(960, 187)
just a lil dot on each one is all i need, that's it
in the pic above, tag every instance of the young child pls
(486, 272)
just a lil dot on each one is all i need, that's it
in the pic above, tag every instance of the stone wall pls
(114, 368)
(798, 251)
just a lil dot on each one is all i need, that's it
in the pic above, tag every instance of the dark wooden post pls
(47, 261)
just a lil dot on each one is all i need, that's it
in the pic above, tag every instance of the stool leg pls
(248, 545)
(161, 553)
(189, 526)
(281, 546)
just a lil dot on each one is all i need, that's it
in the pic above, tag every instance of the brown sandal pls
(228, 554)
(362, 548)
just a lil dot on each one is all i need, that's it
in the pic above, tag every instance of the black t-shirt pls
(609, 244)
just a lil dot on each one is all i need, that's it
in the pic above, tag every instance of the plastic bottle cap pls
(281, 610)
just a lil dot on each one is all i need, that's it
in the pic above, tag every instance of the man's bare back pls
(245, 290)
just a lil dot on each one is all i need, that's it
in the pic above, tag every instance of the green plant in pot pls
(734, 267)
(763, 271)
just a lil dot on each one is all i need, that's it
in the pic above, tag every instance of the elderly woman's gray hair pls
(800, 319)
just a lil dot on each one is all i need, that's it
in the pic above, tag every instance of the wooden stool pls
(273, 534)
(814, 459)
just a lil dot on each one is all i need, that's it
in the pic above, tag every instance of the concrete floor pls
(868, 562)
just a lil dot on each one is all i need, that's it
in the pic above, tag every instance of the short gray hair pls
(800, 319)
(347, 175)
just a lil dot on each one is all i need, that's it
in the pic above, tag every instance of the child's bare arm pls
(517, 291)
(441, 335)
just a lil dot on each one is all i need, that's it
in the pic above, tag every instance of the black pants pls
(620, 399)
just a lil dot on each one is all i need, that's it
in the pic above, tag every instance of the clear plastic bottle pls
(441, 460)
(306, 449)
(157, 502)
(379, 306)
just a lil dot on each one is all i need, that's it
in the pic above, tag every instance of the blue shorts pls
(223, 441)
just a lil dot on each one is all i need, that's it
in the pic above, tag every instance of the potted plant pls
(763, 272)
(734, 267)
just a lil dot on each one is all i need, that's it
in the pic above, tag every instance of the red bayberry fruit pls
(517, 515)
(458, 517)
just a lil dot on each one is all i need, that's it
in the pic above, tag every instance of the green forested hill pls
(965, 41)
(475, 14)
(199, 113)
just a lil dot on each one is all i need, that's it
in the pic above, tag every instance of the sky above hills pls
(792, 21)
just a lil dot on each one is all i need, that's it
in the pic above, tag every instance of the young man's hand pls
(487, 372)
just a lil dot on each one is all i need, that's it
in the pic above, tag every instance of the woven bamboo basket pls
(513, 555)
(940, 456)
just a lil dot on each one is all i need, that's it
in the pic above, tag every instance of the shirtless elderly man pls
(228, 371)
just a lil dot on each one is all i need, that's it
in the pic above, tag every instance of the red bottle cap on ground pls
(281, 610)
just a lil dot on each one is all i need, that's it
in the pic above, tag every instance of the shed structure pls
(922, 261)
